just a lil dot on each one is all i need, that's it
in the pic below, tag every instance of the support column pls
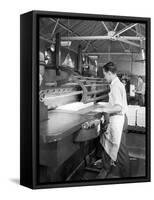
(79, 60)
(58, 53)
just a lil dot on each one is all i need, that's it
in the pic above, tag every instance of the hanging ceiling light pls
(52, 47)
(68, 61)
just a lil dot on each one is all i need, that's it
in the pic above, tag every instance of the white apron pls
(111, 139)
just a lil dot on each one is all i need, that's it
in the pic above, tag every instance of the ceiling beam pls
(125, 29)
(64, 27)
(128, 42)
(132, 38)
(106, 53)
(104, 37)
(68, 29)
(106, 28)
(139, 34)
(143, 25)
(100, 37)
(90, 42)
(116, 26)
(122, 45)
(87, 38)
(54, 29)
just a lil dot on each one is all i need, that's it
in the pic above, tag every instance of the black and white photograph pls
(93, 99)
(76, 100)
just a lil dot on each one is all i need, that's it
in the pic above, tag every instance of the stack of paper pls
(131, 114)
(103, 103)
(75, 106)
(141, 117)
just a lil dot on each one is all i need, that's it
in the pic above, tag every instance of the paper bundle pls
(75, 106)
(141, 117)
(131, 114)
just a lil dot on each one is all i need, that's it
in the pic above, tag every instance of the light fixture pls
(83, 59)
(93, 57)
(68, 61)
(66, 43)
(52, 47)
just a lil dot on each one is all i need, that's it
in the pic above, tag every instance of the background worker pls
(140, 91)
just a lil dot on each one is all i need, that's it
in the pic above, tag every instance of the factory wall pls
(138, 68)
(125, 63)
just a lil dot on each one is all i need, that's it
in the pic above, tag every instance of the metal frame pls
(139, 34)
(121, 38)
(125, 29)
(55, 27)
(106, 53)
(91, 39)
(105, 37)
(116, 26)
(68, 29)
(29, 147)
(106, 28)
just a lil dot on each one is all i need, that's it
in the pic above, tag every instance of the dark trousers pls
(122, 165)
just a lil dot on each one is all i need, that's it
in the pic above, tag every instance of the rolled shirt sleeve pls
(118, 96)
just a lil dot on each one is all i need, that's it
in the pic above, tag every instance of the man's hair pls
(110, 66)
(140, 77)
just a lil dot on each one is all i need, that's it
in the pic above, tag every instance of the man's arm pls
(110, 109)
(116, 106)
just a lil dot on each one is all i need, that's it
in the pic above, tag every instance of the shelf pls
(137, 129)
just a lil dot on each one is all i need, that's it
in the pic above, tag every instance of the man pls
(114, 151)
(140, 91)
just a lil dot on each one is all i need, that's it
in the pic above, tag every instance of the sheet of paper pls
(141, 117)
(76, 106)
(98, 110)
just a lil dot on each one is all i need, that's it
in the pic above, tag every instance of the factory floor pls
(137, 169)
(136, 148)
(86, 170)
